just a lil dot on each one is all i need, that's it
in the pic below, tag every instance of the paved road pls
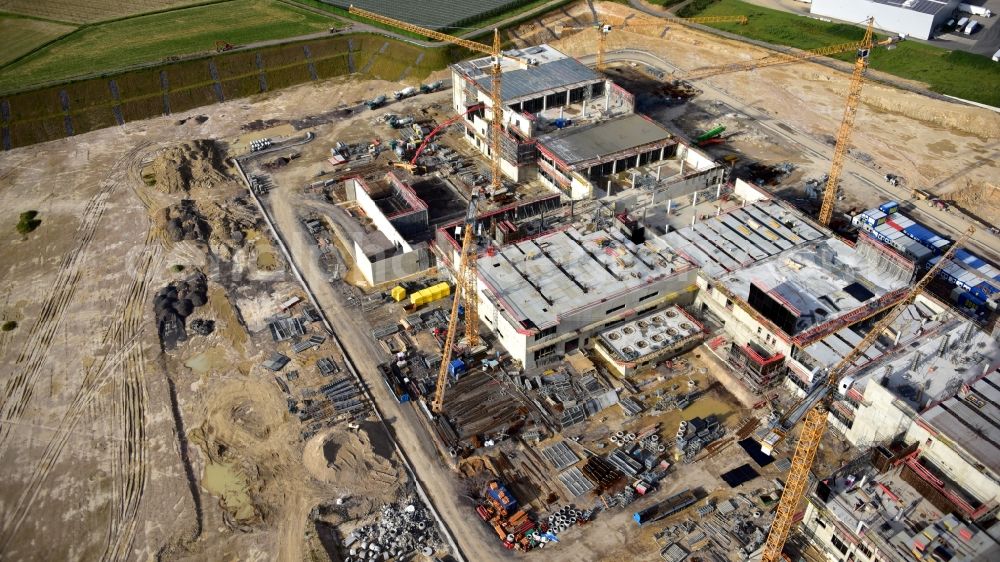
(953, 224)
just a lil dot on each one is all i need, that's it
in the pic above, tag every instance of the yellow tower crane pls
(814, 426)
(846, 126)
(465, 292)
(496, 100)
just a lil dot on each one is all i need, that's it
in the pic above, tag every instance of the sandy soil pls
(99, 427)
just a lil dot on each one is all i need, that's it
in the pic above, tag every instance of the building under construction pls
(570, 127)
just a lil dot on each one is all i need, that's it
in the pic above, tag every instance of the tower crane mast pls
(465, 292)
(814, 426)
(846, 126)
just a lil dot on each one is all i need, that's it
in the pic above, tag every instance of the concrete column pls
(663, 152)
(545, 102)
(609, 188)
(670, 203)
(658, 172)
(634, 173)
(682, 167)
(694, 201)
(718, 191)
(583, 112)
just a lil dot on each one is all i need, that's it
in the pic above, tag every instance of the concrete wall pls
(398, 266)
(748, 192)
(580, 325)
(368, 205)
(882, 417)
(889, 18)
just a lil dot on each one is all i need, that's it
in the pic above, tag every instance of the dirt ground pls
(114, 449)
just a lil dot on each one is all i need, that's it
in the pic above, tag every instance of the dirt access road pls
(439, 481)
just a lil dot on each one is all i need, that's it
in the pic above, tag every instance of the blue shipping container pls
(889, 207)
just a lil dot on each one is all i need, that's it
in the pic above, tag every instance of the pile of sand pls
(979, 199)
(349, 460)
(188, 166)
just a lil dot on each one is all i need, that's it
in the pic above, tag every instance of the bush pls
(27, 222)
(8, 326)
(177, 268)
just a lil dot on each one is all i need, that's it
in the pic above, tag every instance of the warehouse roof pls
(586, 142)
(972, 420)
(816, 283)
(549, 70)
(923, 6)
(743, 236)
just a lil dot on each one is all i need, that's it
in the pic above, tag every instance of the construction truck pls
(376, 103)
(432, 87)
(405, 93)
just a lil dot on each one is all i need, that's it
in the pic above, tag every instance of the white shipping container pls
(962, 23)
(971, 28)
(996, 56)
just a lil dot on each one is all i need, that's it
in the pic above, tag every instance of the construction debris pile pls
(174, 303)
(184, 222)
(737, 526)
(402, 530)
(182, 168)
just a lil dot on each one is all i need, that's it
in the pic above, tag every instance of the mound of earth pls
(350, 461)
(197, 164)
(174, 303)
(980, 199)
(184, 222)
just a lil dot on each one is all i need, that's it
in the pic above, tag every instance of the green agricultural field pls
(23, 35)
(105, 48)
(89, 11)
(953, 73)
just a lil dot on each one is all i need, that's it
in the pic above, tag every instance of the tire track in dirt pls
(20, 386)
(123, 336)
(124, 365)
(131, 453)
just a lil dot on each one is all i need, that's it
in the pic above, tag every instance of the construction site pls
(606, 289)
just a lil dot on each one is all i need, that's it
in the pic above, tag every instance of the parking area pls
(985, 40)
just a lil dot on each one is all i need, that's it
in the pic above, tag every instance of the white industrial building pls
(916, 18)
(386, 250)
(548, 295)
(571, 127)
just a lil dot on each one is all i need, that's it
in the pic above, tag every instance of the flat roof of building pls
(742, 236)
(923, 6)
(551, 70)
(972, 419)
(573, 145)
(650, 334)
(937, 356)
(537, 280)
(816, 282)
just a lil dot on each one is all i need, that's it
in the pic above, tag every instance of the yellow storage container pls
(398, 293)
